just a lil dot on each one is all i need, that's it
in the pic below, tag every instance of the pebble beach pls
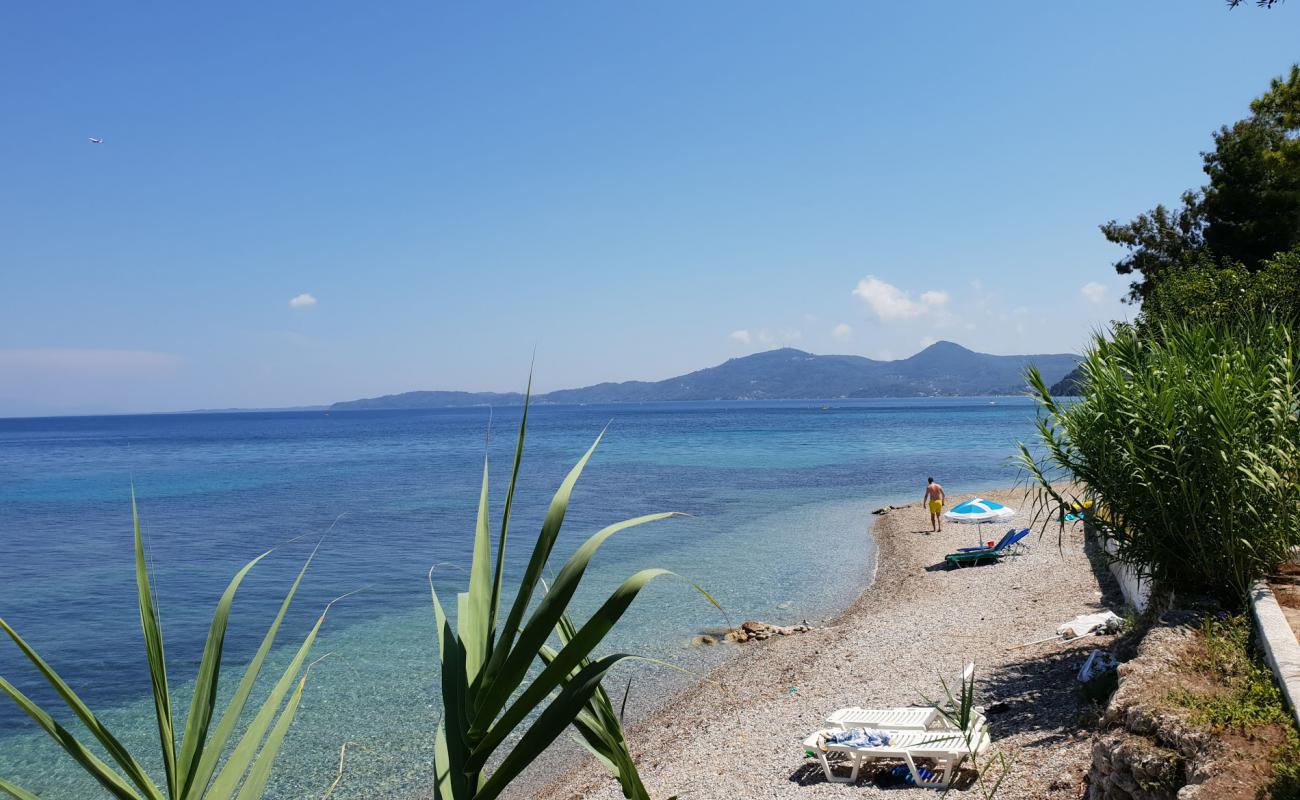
(737, 733)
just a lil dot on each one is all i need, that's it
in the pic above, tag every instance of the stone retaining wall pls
(1147, 753)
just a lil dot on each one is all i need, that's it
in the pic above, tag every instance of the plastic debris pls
(1099, 663)
(1101, 622)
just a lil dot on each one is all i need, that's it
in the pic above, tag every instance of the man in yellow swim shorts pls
(933, 501)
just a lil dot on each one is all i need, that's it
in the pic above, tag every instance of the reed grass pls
(1187, 440)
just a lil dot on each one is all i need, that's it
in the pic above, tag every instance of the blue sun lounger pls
(974, 556)
(1003, 542)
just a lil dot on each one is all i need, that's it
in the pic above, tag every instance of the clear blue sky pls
(636, 189)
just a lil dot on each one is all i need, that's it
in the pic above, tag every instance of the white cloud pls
(842, 332)
(934, 298)
(1093, 291)
(302, 301)
(742, 336)
(926, 341)
(889, 302)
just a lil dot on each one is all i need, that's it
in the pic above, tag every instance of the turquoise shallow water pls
(779, 496)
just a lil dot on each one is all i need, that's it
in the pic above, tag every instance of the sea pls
(776, 497)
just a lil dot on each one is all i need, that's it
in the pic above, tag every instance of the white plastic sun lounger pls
(945, 749)
(901, 718)
(920, 718)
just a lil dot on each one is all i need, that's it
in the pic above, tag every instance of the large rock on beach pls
(754, 631)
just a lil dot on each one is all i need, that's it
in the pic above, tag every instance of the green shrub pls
(1247, 698)
(1187, 440)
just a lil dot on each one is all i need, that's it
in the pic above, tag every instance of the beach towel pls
(857, 737)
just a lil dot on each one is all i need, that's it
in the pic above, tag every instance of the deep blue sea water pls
(778, 494)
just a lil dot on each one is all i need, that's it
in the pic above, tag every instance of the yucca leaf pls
(568, 658)
(596, 749)
(16, 791)
(258, 776)
(110, 780)
(246, 751)
(153, 645)
(134, 771)
(472, 607)
(552, 605)
(602, 735)
(548, 725)
(495, 605)
(204, 700)
(230, 717)
(454, 688)
(439, 615)
(536, 563)
(441, 774)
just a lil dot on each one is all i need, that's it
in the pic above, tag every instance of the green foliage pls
(1188, 443)
(1252, 202)
(1159, 242)
(190, 764)
(1248, 211)
(1248, 695)
(491, 710)
(1208, 292)
(599, 725)
(1286, 769)
(1247, 698)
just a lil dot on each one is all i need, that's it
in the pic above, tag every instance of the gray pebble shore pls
(738, 733)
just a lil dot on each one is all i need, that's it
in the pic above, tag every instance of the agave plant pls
(487, 698)
(191, 763)
(599, 725)
(959, 711)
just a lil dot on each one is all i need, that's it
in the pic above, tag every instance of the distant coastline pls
(943, 369)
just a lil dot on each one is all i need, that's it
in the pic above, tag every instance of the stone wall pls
(1146, 751)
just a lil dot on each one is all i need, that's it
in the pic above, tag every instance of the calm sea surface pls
(779, 496)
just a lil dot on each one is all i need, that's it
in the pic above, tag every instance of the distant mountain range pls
(942, 369)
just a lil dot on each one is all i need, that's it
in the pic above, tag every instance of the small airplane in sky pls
(93, 140)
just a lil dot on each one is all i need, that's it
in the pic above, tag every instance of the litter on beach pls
(1099, 663)
(1101, 622)
(1083, 625)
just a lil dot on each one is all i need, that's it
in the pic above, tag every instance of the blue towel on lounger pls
(859, 737)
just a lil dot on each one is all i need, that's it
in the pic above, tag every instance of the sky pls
(302, 203)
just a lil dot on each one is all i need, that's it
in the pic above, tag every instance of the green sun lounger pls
(973, 557)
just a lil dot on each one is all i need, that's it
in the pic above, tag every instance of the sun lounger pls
(914, 718)
(946, 750)
(899, 718)
(1001, 543)
(969, 557)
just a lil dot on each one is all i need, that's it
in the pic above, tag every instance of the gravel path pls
(737, 735)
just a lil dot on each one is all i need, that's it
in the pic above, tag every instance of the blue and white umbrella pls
(978, 511)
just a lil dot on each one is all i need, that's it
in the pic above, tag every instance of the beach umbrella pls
(977, 511)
